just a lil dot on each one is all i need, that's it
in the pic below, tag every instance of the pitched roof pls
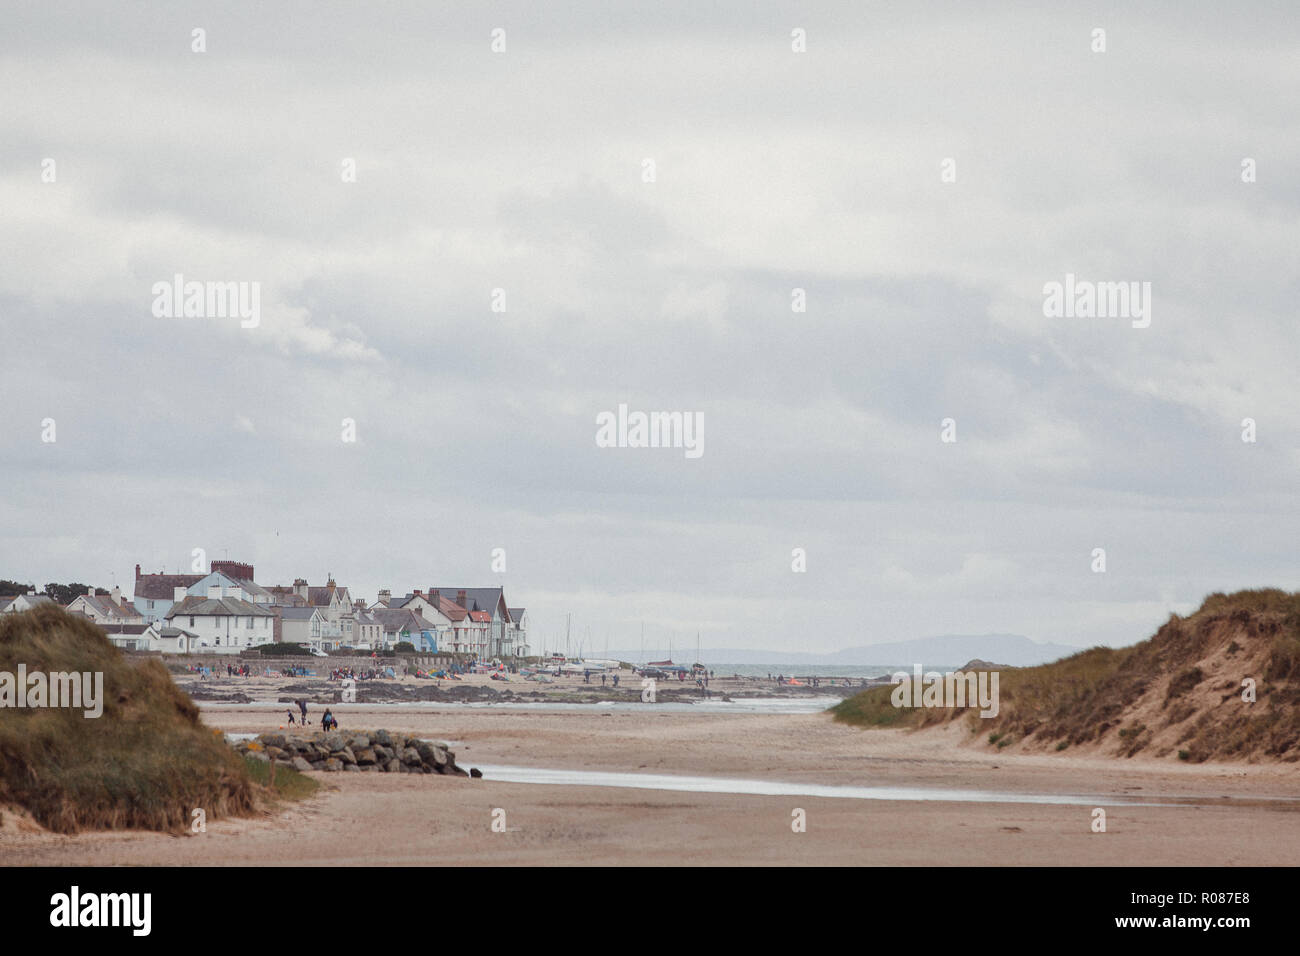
(298, 613)
(516, 614)
(103, 604)
(478, 599)
(400, 619)
(155, 586)
(483, 617)
(218, 607)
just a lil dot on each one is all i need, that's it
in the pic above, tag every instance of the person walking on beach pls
(290, 713)
(302, 708)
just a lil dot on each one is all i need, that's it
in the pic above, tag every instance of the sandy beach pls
(1231, 814)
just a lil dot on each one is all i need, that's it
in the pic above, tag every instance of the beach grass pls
(1181, 688)
(146, 762)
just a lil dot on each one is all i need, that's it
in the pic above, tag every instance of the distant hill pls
(948, 651)
(1223, 683)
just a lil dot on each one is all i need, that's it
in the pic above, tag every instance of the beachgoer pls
(290, 713)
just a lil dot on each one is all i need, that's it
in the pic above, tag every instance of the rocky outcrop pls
(379, 751)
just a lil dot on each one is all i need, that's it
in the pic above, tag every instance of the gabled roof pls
(103, 604)
(516, 614)
(483, 617)
(478, 599)
(155, 586)
(400, 619)
(324, 596)
(299, 613)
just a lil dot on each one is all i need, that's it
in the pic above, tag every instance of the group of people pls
(327, 721)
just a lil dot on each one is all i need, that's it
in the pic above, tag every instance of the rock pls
(346, 755)
(300, 764)
(258, 755)
(384, 754)
(358, 742)
(317, 764)
(431, 753)
(334, 742)
(275, 753)
(475, 772)
(393, 765)
(351, 767)
(371, 768)
(410, 756)
(364, 756)
(333, 764)
(273, 740)
(383, 738)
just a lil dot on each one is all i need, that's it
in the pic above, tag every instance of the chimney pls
(433, 597)
(214, 592)
(385, 596)
(460, 599)
(178, 594)
(137, 572)
(116, 594)
(300, 587)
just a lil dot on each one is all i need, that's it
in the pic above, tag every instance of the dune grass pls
(1189, 674)
(147, 762)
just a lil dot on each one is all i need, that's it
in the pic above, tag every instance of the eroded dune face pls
(1221, 684)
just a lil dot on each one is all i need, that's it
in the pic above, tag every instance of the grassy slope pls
(146, 762)
(1178, 693)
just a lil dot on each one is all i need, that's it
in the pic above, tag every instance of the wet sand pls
(403, 819)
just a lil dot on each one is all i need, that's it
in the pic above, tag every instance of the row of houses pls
(225, 612)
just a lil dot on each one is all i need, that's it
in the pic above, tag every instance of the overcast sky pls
(522, 170)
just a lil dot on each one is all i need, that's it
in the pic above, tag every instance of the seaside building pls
(107, 609)
(224, 623)
(25, 602)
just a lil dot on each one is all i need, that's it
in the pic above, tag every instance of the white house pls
(165, 639)
(308, 625)
(25, 602)
(223, 624)
(106, 608)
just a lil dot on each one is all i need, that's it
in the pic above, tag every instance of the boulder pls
(383, 754)
(393, 765)
(410, 756)
(351, 767)
(365, 756)
(333, 764)
(359, 742)
(431, 753)
(275, 753)
(258, 755)
(383, 738)
(475, 772)
(300, 764)
(346, 755)
(334, 742)
(273, 740)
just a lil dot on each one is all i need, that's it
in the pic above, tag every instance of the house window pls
(191, 622)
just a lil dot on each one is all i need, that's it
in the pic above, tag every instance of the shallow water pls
(697, 784)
